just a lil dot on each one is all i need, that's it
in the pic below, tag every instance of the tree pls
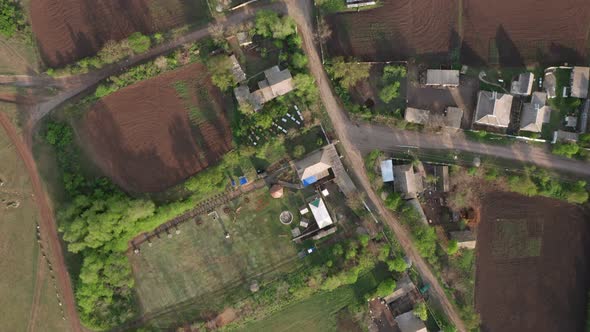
(349, 73)
(452, 247)
(139, 43)
(221, 72)
(397, 264)
(421, 311)
(217, 32)
(114, 51)
(305, 88)
(10, 15)
(364, 240)
(268, 24)
(566, 149)
(389, 92)
(337, 250)
(391, 78)
(299, 60)
(298, 151)
(386, 287)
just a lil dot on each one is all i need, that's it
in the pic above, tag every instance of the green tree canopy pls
(386, 287)
(139, 43)
(397, 264)
(421, 311)
(268, 24)
(348, 73)
(452, 247)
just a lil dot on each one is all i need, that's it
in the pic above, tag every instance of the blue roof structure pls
(387, 170)
(243, 180)
(309, 180)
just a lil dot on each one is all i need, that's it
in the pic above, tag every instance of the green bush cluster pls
(111, 52)
(539, 182)
(11, 18)
(391, 80)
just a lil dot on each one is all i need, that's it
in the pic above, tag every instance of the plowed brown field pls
(513, 33)
(142, 137)
(67, 30)
(397, 30)
(505, 32)
(533, 264)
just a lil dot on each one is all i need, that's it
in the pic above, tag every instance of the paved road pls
(301, 11)
(367, 137)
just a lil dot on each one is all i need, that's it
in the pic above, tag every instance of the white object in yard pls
(298, 123)
(284, 120)
(280, 128)
(255, 144)
(304, 224)
(296, 108)
(325, 192)
(284, 131)
(304, 211)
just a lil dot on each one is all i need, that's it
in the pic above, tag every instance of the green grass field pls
(319, 312)
(512, 240)
(20, 252)
(200, 265)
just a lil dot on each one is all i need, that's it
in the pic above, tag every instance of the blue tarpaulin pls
(309, 180)
(243, 180)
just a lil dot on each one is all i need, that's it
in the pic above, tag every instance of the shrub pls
(452, 247)
(421, 311)
(139, 43)
(397, 264)
(385, 288)
(566, 149)
(114, 51)
(10, 15)
(298, 151)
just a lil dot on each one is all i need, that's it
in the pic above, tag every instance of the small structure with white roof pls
(320, 212)
(387, 170)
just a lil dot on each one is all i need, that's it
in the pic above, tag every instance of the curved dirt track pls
(142, 138)
(47, 225)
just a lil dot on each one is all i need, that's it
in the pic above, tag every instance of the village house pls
(276, 83)
(535, 113)
(493, 109)
(524, 85)
(579, 82)
(442, 77)
(451, 117)
(323, 165)
(407, 182)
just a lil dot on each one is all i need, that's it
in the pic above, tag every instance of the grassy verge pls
(488, 138)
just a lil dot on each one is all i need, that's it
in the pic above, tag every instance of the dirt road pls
(48, 226)
(367, 137)
(300, 10)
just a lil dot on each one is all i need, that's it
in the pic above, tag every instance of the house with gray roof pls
(564, 136)
(550, 83)
(406, 181)
(493, 109)
(535, 113)
(579, 80)
(524, 85)
(442, 77)
(236, 69)
(276, 83)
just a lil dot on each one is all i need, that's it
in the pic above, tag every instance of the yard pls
(199, 267)
(323, 311)
(27, 295)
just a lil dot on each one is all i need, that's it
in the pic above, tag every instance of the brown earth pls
(142, 138)
(526, 30)
(542, 291)
(396, 31)
(68, 30)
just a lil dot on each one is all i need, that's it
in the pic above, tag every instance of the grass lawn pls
(512, 240)
(319, 312)
(20, 252)
(199, 264)
(489, 138)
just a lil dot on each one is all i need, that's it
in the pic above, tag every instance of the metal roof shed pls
(442, 77)
(320, 213)
(387, 170)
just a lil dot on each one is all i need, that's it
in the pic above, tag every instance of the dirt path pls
(48, 226)
(300, 10)
(39, 278)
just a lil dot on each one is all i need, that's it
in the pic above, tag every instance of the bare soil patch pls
(396, 31)
(68, 30)
(532, 264)
(513, 33)
(142, 137)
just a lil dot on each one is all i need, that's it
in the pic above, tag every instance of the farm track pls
(48, 225)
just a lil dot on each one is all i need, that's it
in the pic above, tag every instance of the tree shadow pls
(508, 53)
